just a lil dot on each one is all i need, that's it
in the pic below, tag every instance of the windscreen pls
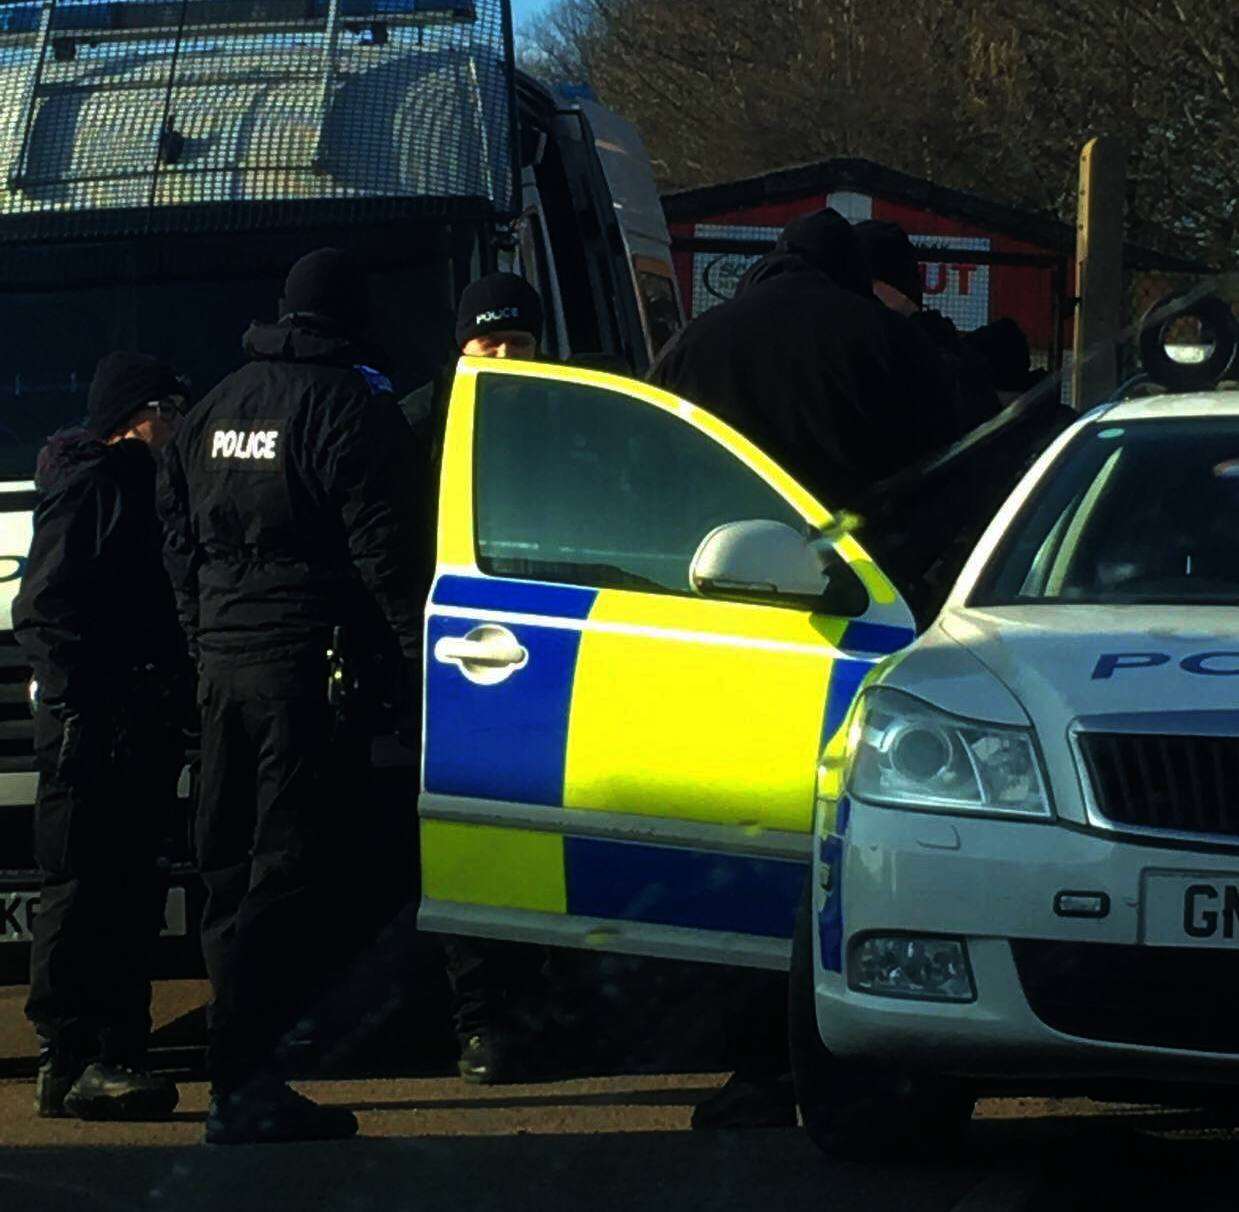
(1145, 511)
(140, 116)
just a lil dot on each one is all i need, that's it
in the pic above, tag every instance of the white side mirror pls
(769, 561)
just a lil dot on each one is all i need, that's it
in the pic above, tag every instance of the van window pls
(587, 486)
(659, 306)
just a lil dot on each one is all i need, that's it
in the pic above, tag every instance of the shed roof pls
(868, 177)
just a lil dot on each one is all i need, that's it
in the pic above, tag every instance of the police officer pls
(96, 619)
(930, 346)
(804, 363)
(292, 511)
(499, 316)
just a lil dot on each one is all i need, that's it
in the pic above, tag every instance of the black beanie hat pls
(498, 303)
(826, 240)
(892, 257)
(125, 382)
(1003, 347)
(330, 283)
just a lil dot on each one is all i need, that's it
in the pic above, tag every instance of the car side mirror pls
(765, 561)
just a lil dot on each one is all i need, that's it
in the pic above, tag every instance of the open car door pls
(620, 751)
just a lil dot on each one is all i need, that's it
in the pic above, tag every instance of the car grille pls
(1162, 997)
(1188, 784)
(16, 726)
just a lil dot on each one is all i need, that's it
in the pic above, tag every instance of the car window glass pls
(588, 486)
(1143, 512)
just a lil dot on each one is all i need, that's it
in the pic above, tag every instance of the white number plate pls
(1198, 909)
(18, 910)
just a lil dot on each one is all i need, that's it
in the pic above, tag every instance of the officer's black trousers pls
(488, 980)
(101, 909)
(277, 801)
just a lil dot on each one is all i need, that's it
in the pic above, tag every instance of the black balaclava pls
(125, 382)
(498, 303)
(892, 257)
(328, 284)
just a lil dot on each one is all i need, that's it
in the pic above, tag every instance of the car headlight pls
(907, 754)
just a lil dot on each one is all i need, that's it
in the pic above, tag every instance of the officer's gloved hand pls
(85, 745)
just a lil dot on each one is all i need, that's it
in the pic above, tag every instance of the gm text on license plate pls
(19, 909)
(1191, 909)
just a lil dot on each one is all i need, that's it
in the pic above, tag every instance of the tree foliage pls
(992, 95)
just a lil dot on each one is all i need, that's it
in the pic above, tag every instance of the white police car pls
(1026, 876)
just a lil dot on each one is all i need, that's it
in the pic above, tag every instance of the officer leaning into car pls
(96, 619)
(292, 513)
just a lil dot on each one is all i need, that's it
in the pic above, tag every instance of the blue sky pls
(522, 10)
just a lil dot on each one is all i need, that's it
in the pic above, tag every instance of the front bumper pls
(1056, 997)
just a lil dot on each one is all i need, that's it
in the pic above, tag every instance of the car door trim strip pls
(603, 934)
(619, 827)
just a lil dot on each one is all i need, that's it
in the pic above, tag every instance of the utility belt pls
(128, 690)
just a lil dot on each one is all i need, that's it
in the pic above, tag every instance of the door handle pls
(487, 655)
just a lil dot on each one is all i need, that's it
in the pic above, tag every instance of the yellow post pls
(1099, 270)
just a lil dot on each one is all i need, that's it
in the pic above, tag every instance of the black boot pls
(267, 1112)
(57, 1074)
(111, 1091)
(486, 1058)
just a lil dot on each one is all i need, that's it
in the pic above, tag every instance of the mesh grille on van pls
(133, 116)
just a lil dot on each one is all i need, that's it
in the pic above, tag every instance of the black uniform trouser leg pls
(488, 978)
(101, 906)
(276, 786)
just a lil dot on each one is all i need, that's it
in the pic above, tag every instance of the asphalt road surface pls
(430, 1143)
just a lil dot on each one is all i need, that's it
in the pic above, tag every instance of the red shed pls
(982, 259)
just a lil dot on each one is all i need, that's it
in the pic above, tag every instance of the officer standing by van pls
(292, 515)
(96, 619)
(499, 316)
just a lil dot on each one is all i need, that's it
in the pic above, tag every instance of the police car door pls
(612, 759)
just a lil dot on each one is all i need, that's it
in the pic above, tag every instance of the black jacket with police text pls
(95, 602)
(291, 502)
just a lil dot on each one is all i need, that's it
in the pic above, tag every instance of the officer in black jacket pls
(292, 510)
(96, 619)
(499, 316)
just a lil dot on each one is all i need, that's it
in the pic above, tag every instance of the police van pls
(165, 164)
(1016, 868)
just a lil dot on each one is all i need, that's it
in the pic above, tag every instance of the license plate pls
(18, 910)
(1193, 909)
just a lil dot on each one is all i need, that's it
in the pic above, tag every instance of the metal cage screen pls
(135, 116)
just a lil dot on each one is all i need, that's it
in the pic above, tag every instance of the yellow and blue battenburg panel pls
(645, 780)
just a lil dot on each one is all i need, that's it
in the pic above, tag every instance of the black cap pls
(826, 241)
(498, 303)
(329, 283)
(892, 257)
(124, 383)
